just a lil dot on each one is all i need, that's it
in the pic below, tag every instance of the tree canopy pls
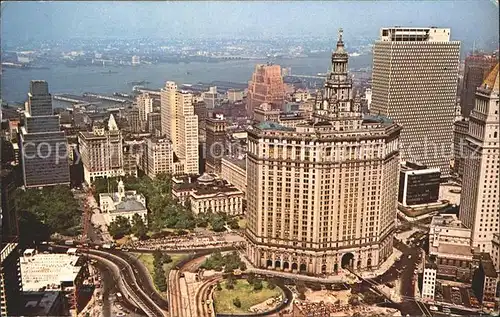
(164, 210)
(46, 211)
(120, 227)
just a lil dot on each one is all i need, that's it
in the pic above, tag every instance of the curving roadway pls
(129, 280)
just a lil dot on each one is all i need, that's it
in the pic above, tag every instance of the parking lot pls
(456, 295)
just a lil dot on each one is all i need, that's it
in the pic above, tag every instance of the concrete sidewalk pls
(343, 277)
(385, 266)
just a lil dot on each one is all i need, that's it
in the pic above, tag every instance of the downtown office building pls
(415, 76)
(44, 146)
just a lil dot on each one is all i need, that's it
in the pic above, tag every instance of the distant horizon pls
(469, 20)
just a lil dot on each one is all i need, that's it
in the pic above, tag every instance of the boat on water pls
(109, 72)
(139, 83)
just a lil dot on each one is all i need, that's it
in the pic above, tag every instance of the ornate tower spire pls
(336, 98)
(340, 43)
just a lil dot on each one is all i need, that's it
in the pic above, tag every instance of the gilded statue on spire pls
(340, 34)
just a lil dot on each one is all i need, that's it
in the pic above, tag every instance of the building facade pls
(234, 170)
(215, 143)
(449, 244)
(495, 252)
(477, 67)
(308, 207)
(154, 123)
(266, 86)
(10, 280)
(124, 203)
(415, 74)
(210, 98)
(158, 157)
(234, 95)
(479, 201)
(43, 145)
(208, 194)
(418, 185)
(145, 106)
(101, 152)
(180, 125)
(460, 131)
(485, 281)
(134, 121)
(130, 160)
(429, 281)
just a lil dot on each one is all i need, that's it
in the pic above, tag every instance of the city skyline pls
(288, 159)
(256, 20)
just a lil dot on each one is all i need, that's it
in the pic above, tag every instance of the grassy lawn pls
(147, 259)
(246, 294)
(242, 223)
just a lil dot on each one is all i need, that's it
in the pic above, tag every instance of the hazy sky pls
(25, 21)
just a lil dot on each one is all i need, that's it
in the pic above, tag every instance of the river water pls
(77, 80)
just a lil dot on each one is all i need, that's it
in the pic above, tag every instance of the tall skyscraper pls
(323, 195)
(479, 203)
(101, 151)
(180, 125)
(415, 74)
(215, 144)
(477, 67)
(43, 145)
(158, 157)
(145, 106)
(266, 86)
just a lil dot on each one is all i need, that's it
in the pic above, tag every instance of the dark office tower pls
(415, 76)
(39, 99)
(43, 145)
(477, 66)
(216, 133)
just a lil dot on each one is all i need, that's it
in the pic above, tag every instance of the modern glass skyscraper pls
(415, 77)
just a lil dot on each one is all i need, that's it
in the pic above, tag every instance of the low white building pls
(207, 193)
(50, 272)
(429, 281)
(122, 203)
